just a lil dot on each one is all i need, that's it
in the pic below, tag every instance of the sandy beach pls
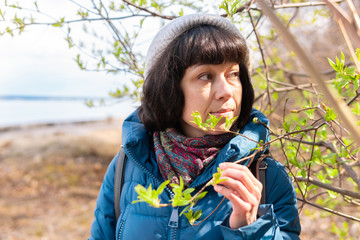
(50, 176)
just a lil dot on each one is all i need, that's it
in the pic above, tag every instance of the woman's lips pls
(222, 112)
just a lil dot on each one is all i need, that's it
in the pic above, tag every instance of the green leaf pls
(192, 217)
(356, 84)
(162, 187)
(332, 194)
(2, 15)
(149, 195)
(59, 23)
(89, 103)
(181, 198)
(216, 177)
(198, 120)
(330, 114)
(275, 96)
(201, 195)
(229, 122)
(212, 121)
(197, 214)
(286, 126)
(332, 64)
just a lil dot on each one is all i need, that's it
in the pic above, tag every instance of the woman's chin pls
(218, 130)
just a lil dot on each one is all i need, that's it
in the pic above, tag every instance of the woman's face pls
(210, 89)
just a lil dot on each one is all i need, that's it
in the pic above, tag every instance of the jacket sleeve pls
(279, 218)
(104, 224)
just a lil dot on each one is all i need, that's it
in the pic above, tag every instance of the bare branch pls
(148, 11)
(329, 187)
(330, 210)
(263, 58)
(302, 4)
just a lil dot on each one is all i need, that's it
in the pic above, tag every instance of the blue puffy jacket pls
(278, 219)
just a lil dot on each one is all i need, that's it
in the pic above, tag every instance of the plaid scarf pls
(181, 156)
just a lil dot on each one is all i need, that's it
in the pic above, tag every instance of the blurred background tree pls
(311, 134)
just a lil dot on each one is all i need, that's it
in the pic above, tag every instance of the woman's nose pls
(222, 88)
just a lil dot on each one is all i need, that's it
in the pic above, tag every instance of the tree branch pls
(148, 11)
(263, 58)
(330, 210)
(329, 187)
(303, 4)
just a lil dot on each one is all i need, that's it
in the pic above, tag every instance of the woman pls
(197, 63)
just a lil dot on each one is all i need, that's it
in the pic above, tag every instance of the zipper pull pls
(174, 218)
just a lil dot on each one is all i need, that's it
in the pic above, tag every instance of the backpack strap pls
(119, 180)
(258, 168)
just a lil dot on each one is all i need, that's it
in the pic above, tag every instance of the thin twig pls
(329, 187)
(148, 11)
(263, 58)
(222, 200)
(330, 210)
(301, 5)
(353, 99)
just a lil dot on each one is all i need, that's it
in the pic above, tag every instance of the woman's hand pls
(244, 192)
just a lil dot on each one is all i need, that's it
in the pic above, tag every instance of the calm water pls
(17, 112)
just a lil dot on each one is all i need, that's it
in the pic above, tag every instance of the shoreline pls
(29, 126)
(33, 133)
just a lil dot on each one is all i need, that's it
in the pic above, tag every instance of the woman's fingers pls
(233, 197)
(243, 190)
(248, 194)
(240, 179)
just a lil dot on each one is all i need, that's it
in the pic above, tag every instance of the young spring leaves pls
(180, 198)
(211, 122)
(149, 195)
(193, 216)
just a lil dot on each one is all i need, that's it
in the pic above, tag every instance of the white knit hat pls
(176, 27)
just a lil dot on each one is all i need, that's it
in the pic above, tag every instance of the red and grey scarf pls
(181, 156)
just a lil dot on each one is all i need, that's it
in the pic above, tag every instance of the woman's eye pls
(233, 76)
(205, 77)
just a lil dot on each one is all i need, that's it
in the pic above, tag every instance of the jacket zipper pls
(173, 223)
(120, 229)
(174, 218)
(122, 223)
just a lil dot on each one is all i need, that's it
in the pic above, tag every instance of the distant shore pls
(19, 127)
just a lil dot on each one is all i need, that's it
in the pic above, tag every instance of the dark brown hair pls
(163, 100)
